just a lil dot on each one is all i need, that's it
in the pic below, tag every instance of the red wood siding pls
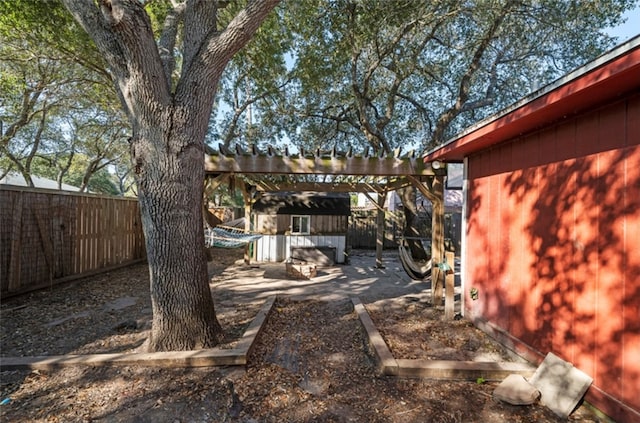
(553, 246)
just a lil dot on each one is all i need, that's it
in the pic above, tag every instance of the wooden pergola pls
(334, 171)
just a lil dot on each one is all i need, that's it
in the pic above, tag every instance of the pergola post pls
(379, 203)
(247, 221)
(382, 197)
(449, 291)
(435, 194)
(437, 238)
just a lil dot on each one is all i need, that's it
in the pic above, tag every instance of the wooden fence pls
(362, 229)
(363, 226)
(48, 237)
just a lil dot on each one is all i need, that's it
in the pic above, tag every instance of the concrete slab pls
(60, 321)
(360, 278)
(516, 390)
(562, 386)
(120, 303)
(115, 305)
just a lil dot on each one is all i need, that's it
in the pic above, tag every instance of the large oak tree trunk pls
(169, 121)
(171, 207)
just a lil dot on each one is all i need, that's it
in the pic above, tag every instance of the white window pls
(300, 225)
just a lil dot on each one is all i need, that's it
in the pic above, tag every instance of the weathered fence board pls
(363, 228)
(49, 236)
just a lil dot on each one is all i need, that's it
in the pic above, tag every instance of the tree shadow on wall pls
(582, 270)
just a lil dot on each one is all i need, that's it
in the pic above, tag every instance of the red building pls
(551, 225)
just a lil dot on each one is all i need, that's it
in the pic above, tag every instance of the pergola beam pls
(249, 164)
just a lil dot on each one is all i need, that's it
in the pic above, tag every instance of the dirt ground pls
(310, 364)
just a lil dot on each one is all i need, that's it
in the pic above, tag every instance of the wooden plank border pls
(201, 358)
(462, 370)
(433, 369)
(386, 363)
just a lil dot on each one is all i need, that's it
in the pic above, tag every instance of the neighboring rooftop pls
(16, 179)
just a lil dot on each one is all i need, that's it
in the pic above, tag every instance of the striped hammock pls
(414, 270)
(227, 237)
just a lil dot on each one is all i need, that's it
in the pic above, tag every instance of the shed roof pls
(608, 77)
(304, 203)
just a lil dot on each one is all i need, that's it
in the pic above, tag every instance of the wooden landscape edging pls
(387, 364)
(201, 358)
(433, 369)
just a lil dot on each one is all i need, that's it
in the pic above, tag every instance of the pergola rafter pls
(323, 171)
(326, 183)
(275, 162)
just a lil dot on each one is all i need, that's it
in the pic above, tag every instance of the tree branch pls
(239, 109)
(200, 25)
(167, 41)
(464, 87)
(418, 106)
(36, 144)
(29, 99)
(122, 32)
(211, 55)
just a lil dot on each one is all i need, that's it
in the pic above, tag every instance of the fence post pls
(449, 298)
(16, 247)
(380, 229)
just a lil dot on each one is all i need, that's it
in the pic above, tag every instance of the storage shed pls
(308, 226)
(551, 225)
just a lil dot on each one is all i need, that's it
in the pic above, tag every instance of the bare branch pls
(239, 109)
(167, 42)
(122, 32)
(464, 87)
(29, 99)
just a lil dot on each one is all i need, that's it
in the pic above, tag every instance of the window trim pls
(302, 217)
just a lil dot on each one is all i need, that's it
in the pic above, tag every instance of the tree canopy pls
(57, 104)
(409, 72)
(364, 73)
(403, 74)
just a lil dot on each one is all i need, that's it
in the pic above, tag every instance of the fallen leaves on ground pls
(310, 364)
